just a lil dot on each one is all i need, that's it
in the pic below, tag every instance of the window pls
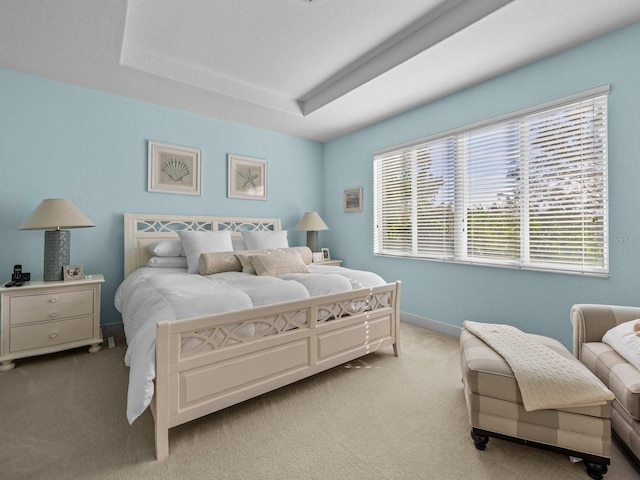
(526, 190)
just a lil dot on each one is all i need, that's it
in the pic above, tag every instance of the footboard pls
(209, 363)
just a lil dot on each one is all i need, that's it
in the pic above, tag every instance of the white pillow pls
(167, 262)
(238, 243)
(195, 243)
(265, 239)
(624, 340)
(166, 248)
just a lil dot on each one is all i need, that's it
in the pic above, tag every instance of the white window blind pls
(528, 190)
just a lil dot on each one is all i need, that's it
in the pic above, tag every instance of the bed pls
(186, 363)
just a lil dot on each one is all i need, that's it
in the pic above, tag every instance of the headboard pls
(142, 229)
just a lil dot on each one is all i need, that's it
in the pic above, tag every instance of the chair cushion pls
(622, 378)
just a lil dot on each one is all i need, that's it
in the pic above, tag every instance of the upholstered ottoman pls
(495, 407)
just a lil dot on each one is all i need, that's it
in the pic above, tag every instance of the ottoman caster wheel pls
(595, 470)
(480, 441)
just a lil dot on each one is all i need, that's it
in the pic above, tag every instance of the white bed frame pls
(221, 373)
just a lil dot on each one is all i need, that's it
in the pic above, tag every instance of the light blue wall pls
(533, 301)
(58, 140)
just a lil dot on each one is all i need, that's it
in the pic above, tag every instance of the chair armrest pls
(590, 322)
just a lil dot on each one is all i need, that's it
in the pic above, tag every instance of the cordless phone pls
(17, 278)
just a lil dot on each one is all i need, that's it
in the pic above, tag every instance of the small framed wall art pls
(173, 169)
(247, 177)
(353, 200)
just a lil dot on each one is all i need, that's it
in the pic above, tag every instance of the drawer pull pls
(53, 299)
(53, 314)
(53, 334)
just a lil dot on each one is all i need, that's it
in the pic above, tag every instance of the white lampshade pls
(311, 221)
(55, 214)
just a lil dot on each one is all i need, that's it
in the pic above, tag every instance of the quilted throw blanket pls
(547, 380)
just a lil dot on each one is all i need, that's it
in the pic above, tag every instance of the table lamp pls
(55, 216)
(311, 222)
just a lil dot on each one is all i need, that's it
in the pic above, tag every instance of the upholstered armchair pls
(590, 323)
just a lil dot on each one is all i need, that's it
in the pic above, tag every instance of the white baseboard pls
(435, 325)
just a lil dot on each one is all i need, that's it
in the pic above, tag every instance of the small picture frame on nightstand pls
(325, 254)
(318, 256)
(72, 272)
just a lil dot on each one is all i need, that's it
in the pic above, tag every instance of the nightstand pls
(46, 317)
(332, 262)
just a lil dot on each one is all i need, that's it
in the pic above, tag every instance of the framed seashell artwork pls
(173, 169)
(247, 177)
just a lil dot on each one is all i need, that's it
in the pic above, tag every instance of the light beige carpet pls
(62, 416)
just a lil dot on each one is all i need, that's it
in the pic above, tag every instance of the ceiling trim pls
(450, 17)
(447, 19)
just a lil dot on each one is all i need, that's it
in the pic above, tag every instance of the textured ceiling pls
(316, 69)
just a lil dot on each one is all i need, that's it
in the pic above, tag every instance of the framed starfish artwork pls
(247, 177)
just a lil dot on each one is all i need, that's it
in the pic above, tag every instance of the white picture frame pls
(326, 255)
(173, 169)
(247, 177)
(318, 257)
(353, 200)
(72, 272)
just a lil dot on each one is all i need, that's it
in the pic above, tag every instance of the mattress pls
(150, 295)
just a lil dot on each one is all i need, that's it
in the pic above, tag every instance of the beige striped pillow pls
(278, 263)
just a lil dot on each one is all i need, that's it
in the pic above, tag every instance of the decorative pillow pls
(623, 339)
(262, 239)
(278, 262)
(247, 266)
(167, 262)
(245, 260)
(166, 248)
(195, 243)
(218, 262)
(305, 253)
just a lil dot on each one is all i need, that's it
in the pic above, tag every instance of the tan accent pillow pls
(218, 262)
(245, 260)
(245, 256)
(278, 263)
(305, 253)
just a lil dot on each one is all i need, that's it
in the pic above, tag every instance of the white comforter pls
(150, 295)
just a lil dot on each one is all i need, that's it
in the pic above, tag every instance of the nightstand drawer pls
(28, 302)
(51, 313)
(50, 333)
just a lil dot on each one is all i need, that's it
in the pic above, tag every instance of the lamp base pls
(312, 240)
(57, 245)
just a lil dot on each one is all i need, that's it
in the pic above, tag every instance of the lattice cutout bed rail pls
(196, 342)
(353, 306)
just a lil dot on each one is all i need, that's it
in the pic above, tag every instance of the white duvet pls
(150, 295)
